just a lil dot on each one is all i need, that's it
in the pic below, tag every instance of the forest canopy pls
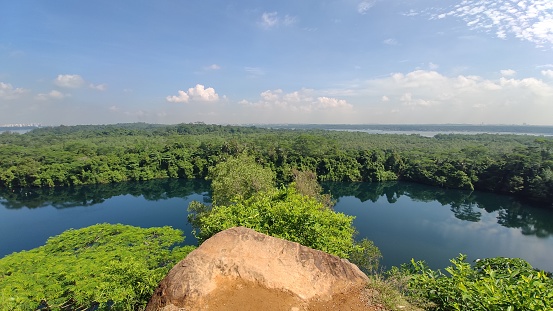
(521, 165)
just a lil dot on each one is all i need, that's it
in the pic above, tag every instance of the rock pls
(239, 266)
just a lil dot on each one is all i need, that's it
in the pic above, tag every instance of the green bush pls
(282, 213)
(491, 284)
(101, 267)
(366, 256)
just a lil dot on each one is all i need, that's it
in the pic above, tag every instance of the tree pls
(243, 195)
(239, 178)
(306, 184)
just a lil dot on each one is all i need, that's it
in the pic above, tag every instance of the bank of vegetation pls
(72, 155)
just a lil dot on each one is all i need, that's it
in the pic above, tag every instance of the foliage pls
(306, 184)
(383, 291)
(239, 178)
(74, 155)
(366, 256)
(102, 266)
(491, 284)
(281, 213)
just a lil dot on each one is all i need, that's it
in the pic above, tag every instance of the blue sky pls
(309, 61)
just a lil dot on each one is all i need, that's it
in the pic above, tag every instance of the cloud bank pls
(304, 101)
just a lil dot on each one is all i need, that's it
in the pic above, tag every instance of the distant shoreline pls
(429, 130)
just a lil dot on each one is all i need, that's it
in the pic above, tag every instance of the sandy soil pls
(249, 296)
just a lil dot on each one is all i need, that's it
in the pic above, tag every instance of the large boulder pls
(245, 270)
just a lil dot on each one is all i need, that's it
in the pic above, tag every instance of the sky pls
(287, 61)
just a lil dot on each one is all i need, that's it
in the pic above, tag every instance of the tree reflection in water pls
(465, 205)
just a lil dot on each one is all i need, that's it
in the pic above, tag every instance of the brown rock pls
(240, 269)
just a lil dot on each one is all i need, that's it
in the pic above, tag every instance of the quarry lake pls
(404, 220)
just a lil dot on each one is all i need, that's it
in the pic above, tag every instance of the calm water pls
(404, 220)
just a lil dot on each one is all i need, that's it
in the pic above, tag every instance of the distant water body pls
(427, 130)
(433, 133)
(15, 130)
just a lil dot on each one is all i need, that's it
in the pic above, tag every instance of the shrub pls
(99, 267)
(281, 213)
(491, 284)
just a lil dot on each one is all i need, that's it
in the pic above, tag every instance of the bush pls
(491, 284)
(99, 267)
(282, 213)
(366, 256)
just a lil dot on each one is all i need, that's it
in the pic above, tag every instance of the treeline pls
(74, 155)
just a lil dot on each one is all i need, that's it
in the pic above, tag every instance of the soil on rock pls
(247, 296)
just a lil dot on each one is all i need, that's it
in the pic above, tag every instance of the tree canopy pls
(102, 266)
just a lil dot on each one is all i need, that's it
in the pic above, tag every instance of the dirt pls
(249, 296)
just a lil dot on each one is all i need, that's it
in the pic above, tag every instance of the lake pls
(405, 220)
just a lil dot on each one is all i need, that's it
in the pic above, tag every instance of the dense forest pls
(521, 165)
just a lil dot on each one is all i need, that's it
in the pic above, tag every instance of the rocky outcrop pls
(241, 262)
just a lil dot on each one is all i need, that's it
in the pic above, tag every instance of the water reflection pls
(407, 220)
(88, 195)
(30, 216)
(465, 205)
(404, 220)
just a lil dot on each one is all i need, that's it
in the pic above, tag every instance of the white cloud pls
(408, 100)
(182, 97)
(213, 67)
(303, 100)
(547, 73)
(527, 20)
(508, 72)
(390, 41)
(332, 103)
(98, 87)
(433, 66)
(51, 95)
(410, 13)
(7, 91)
(272, 19)
(197, 93)
(202, 94)
(365, 6)
(69, 81)
(428, 96)
(454, 99)
(269, 20)
(533, 85)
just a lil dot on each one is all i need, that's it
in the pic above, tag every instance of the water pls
(407, 220)
(404, 220)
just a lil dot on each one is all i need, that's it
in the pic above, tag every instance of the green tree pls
(239, 178)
